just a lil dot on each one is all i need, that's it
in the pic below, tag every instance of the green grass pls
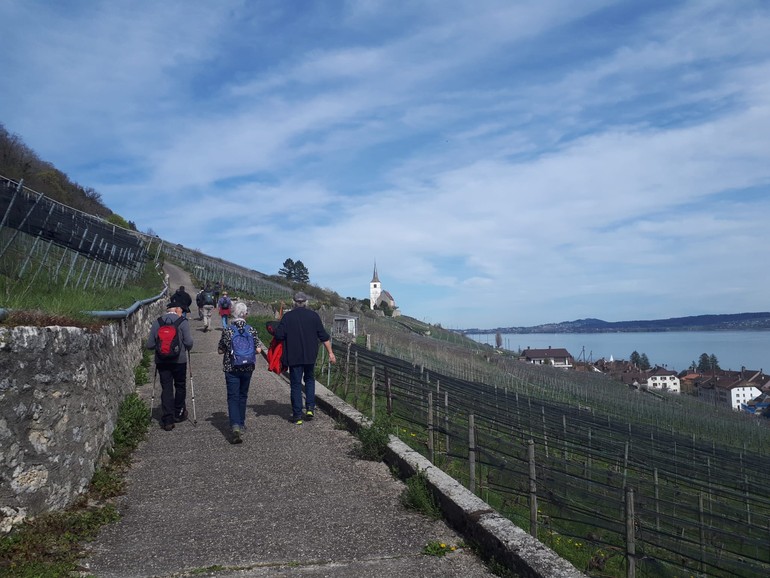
(43, 303)
(417, 496)
(373, 440)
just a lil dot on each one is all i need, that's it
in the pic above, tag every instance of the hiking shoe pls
(181, 417)
(236, 437)
(296, 420)
(309, 415)
(167, 426)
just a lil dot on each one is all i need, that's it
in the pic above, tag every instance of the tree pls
(116, 219)
(635, 358)
(644, 362)
(708, 363)
(301, 274)
(287, 270)
(294, 271)
(498, 340)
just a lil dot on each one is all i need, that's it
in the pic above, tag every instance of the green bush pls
(374, 440)
(133, 421)
(417, 496)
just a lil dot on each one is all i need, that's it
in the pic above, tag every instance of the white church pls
(378, 295)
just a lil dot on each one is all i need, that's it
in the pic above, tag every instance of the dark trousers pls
(173, 390)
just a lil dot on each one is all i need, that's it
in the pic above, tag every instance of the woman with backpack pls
(224, 305)
(239, 346)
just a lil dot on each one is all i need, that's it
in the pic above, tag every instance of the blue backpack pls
(243, 351)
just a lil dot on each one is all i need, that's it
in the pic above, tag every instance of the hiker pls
(199, 303)
(183, 297)
(208, 306)
(239, 346)
(224, 305)
(171, 353)
(301, 330)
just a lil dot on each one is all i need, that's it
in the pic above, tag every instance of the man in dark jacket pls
(183, 297)
(172, 372)
(200, 301)
(301, 330)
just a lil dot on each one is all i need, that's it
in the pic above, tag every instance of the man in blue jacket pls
(301, 330)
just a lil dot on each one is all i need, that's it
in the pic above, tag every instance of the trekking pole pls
(192, 389)
(152, 398)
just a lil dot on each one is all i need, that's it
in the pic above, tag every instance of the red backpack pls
(168, 345)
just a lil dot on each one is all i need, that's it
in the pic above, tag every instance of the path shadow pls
(221, 421)
(272, 407)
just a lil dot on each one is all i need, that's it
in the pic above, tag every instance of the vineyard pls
(666, 483)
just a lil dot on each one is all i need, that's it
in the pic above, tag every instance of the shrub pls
(417, 496)
(374, 440)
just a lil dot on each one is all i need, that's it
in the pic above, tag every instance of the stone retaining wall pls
(60, 388)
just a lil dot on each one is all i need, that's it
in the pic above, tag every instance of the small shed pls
(345, 325)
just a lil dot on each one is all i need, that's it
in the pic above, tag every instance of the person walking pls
(209, 302)
(183, 297)
(301, 330)
(199, 303)
(171, 352)
(224, 305)
(239, 347)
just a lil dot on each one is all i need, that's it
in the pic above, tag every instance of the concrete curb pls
(498, 537)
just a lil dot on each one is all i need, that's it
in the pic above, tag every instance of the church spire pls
(375, 279)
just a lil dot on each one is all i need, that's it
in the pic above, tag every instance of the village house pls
(657, 378)
(733, 389)
(557, 357)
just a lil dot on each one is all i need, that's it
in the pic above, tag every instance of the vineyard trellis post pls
(374, 390)
(431, 455)
(347, 370)
(630, 535)
(472, 453)
(532, 488)
(446, 420)
(355, 383)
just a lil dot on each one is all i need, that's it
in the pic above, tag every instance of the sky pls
(504, 163)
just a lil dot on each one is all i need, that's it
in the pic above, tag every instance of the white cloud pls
(505, 164)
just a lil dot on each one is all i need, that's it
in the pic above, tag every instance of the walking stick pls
(192, 389)
(152, 398)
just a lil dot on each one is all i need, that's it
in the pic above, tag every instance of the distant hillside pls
(731, 322)
(19, 163)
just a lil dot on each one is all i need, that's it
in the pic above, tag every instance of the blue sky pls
(505, 163)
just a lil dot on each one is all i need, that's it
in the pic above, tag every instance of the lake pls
(674, 349)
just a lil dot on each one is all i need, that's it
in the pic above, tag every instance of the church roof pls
(375, 279)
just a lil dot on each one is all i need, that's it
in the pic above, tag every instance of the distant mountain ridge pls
(725, 322)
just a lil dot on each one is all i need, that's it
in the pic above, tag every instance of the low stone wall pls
(60, 388)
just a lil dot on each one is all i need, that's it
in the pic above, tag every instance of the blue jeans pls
(296, 375)
(237, 394)
(224, 320)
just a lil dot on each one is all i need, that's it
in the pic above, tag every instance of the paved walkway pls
(289, 501)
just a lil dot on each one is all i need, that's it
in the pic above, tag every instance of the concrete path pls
(289, 501)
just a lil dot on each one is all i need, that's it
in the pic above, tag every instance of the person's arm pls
(150, 344)
(328, 346)
(258, 345)
(187, 338)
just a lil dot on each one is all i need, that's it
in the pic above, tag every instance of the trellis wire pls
(585, 476)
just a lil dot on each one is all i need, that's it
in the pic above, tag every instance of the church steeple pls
(375, 279)
(375, 288)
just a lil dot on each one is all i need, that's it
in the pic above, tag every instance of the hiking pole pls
(192, 389)
(152, 398)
